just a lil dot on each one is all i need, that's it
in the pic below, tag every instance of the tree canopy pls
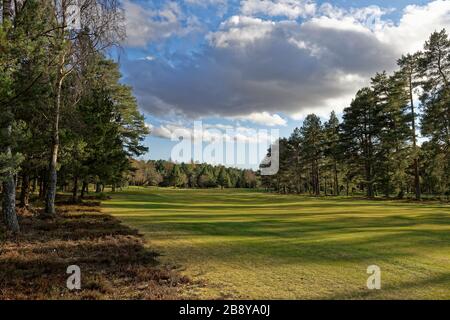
(375, 149)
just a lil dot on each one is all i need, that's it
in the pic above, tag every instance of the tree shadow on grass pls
(413, 250)
(331, 234)
(334, 240)
(220, 199)
(113, 260)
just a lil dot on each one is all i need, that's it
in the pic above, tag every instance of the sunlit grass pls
(246, 244)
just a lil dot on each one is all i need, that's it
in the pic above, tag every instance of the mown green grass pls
(246, 244)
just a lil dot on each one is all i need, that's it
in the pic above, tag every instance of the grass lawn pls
(246, 244)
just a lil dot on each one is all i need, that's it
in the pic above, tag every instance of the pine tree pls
(312, 149)
(409, 67)
(332, 148)
(360, 135)
(297, 169)
(205, 178)
(435, 69)
(392, 102)
(9, 162)
(177, 177)
(223, 179)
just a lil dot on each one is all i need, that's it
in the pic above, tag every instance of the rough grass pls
(247, 244)
(113, 259)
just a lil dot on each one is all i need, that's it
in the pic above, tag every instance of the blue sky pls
(262, 64)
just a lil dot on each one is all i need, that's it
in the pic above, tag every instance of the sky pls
(252, 66)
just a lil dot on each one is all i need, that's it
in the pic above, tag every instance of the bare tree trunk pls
(369, 183)
(9, 189)
(25, 191)
(317, 178)
(75, 190)
(336, 180)
(417, 179)
(53, 175)
(41, 188)
(33, 189)
(416, 159)
(84, 188)
(9, 205)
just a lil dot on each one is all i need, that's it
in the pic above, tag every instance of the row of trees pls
(376, 149)
(189, 175)
(65, 118)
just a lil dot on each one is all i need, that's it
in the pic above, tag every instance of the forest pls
(65, 115)
(393, 140)
(164, 173)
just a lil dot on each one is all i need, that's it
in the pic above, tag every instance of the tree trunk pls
(336, 180)
(98, 187)
(388, 189)
(369, 183)
(9, 205)
(370, 193)
(75, 190)
(317, 191)
(9, 191)
(25, 191)
(84, 188)
(416, 160)
(417, 179)
(53, 175)
(33, 188)
(41, 188)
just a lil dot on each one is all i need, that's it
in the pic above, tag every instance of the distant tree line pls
(189, 175)
(66, 120)
(375, 149)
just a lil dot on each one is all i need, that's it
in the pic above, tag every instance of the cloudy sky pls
(254, 64)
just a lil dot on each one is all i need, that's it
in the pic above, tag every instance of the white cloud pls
(369, 17)
(211, 133)
(329, 105)
(264, 118)
(239, 31)
(415, 26)
(291, 9)
(144, 25)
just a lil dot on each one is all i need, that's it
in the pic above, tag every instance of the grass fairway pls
(246, 244)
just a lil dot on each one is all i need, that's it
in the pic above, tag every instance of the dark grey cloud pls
(252, 65)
